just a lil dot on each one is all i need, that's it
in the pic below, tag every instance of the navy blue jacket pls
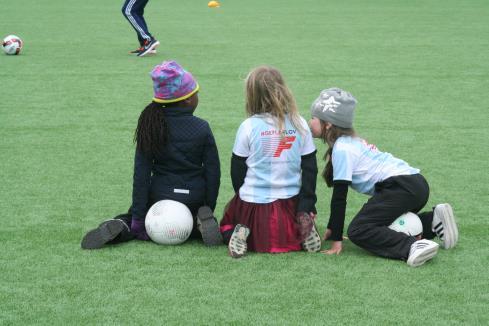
(187, 170)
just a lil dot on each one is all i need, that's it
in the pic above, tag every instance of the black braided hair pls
(151, 134)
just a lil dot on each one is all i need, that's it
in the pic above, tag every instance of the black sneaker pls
(208, 227)
(148, 46)
(104, 233)
(137, 51)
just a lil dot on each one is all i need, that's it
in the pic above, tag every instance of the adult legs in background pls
(133, 10)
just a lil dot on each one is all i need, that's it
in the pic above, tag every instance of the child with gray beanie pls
(394, 186)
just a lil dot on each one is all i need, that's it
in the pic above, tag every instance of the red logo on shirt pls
(274, 142)
(285, 143)
(372, 147)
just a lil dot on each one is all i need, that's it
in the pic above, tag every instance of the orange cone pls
(213, 4)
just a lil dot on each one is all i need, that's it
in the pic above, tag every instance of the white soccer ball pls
(12, 45)
(408, 223)
(169, 222)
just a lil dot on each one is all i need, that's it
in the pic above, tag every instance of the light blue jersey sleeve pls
(343, 164)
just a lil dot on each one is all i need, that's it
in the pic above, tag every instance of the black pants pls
(393, 197)
(133, 10)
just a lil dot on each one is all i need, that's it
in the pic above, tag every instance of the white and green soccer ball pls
(169, 222)
(408, 223)
(12, 45)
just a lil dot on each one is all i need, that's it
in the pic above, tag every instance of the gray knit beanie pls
(335, 106)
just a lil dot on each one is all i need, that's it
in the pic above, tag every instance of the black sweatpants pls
(393, 197)
(133, 10)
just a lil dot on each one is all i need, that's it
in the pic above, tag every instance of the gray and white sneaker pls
(313, 241)
(237, 244)
(137, 51)
(422, 251)
(444, 225)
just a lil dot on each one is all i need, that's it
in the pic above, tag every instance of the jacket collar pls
(178, 111)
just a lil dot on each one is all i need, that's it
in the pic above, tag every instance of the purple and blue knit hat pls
(172, 83)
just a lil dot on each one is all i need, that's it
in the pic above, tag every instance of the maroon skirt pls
(273, 227)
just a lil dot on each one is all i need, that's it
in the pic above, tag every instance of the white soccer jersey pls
(364, 165)
(273, 158)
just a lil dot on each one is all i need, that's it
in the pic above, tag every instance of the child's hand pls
(327, 234)
(336, 248)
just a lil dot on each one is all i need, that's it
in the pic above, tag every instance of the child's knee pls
(351, 232)
(355, 231)
(127, 11)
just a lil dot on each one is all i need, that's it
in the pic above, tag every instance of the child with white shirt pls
(394, 186)
(273, 171)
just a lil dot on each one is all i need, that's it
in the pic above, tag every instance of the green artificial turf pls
(69, 105)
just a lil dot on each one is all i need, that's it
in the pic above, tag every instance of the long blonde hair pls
(266, 92)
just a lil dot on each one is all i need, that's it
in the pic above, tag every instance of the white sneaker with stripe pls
(422, 251)
(445, 226)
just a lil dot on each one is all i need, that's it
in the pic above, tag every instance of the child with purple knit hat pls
(176, 158)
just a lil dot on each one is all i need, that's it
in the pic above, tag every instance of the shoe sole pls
(313, 241)
(208, 227)
(235, 254)
(232, 245)
(151, 48)
(450, 229)
(423, 256)
(150, 52)
(97, 238)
